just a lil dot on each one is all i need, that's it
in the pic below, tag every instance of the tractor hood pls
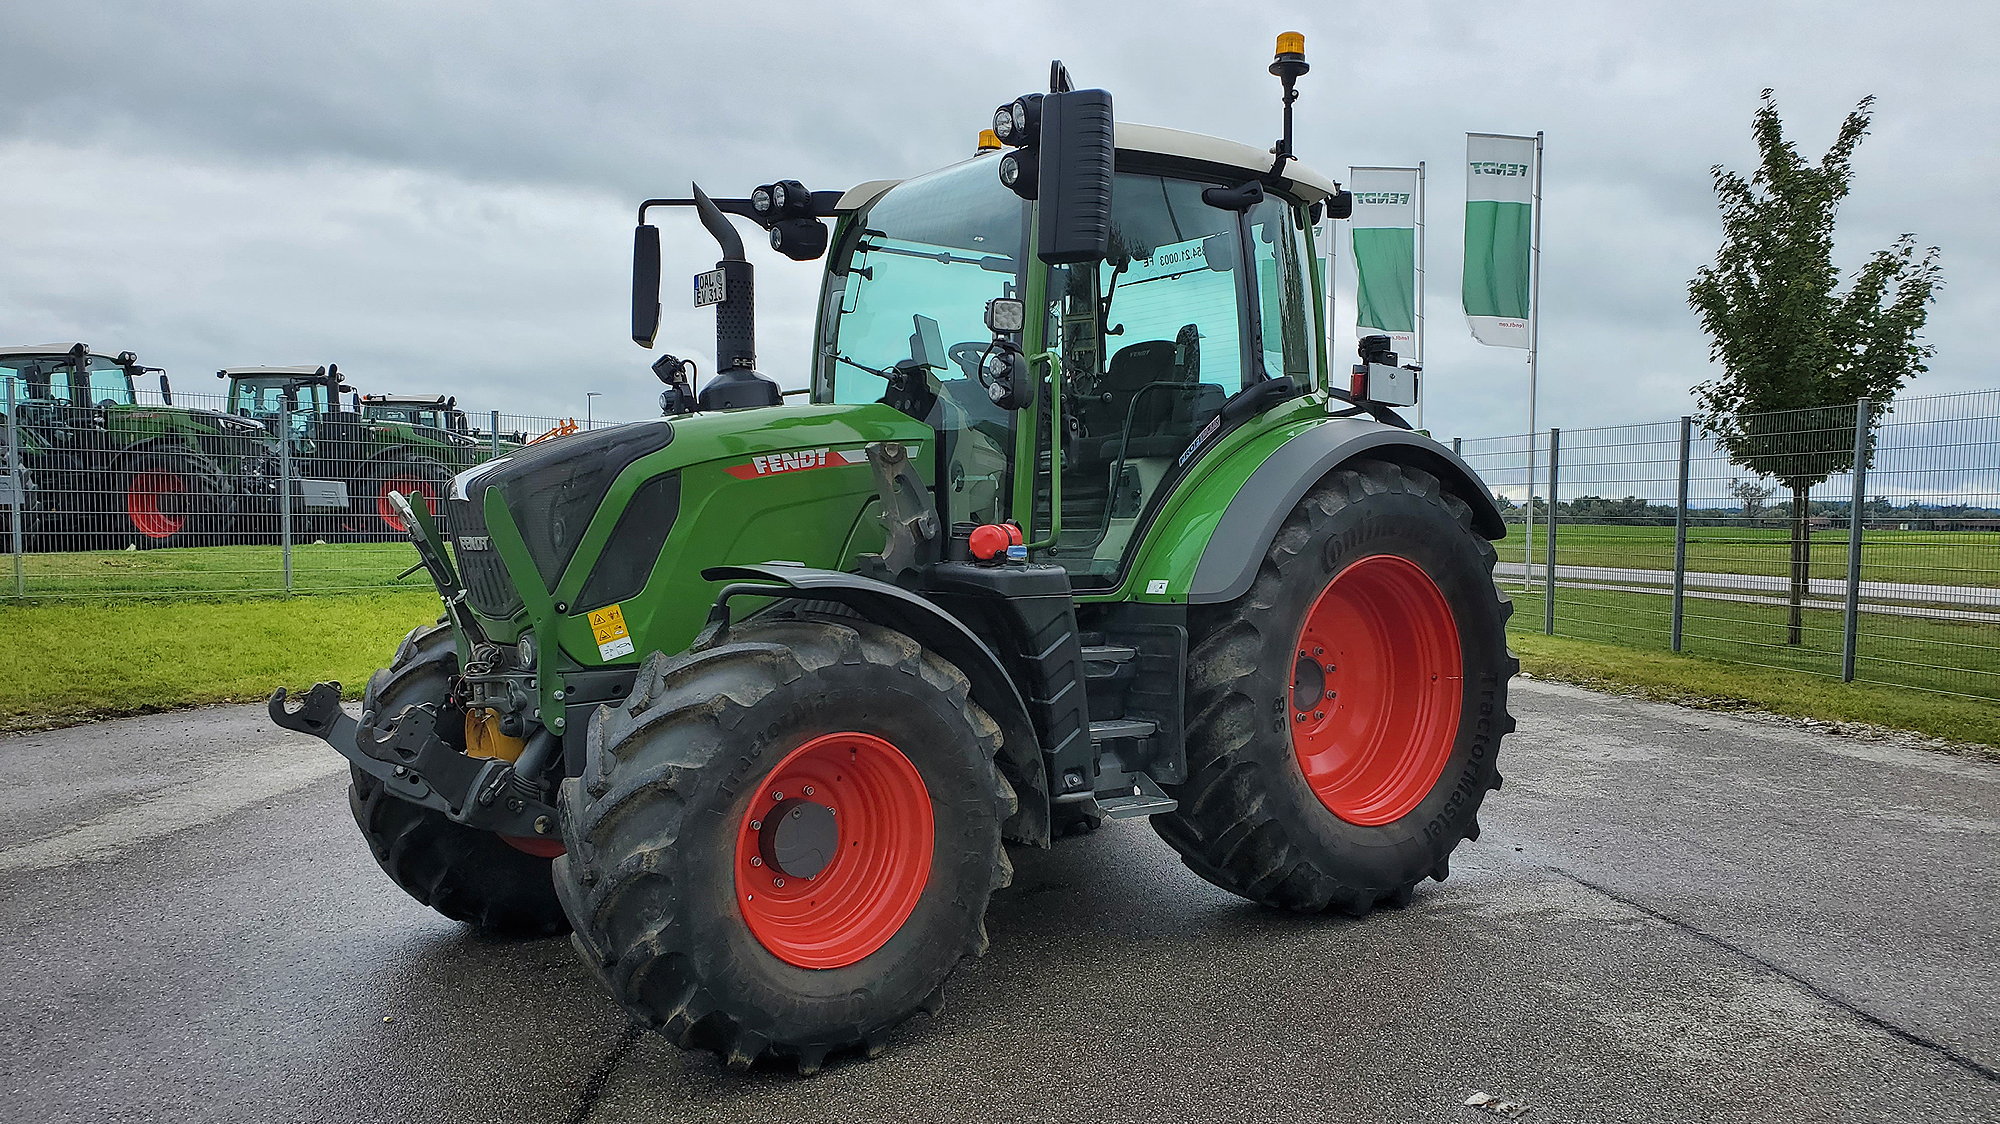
(628, 516)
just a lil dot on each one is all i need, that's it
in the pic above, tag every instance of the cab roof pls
(1306, 184)
(46, 349)
(298, 372)
(436, 400)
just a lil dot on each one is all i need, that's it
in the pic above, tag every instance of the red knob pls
(990, 541)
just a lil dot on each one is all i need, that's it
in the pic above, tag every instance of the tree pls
(1796, 353)
(1753, 496)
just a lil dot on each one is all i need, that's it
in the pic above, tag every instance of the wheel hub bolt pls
(777, 796)
(777, 882)
(756, 825)
(809, 790)
(756, 860)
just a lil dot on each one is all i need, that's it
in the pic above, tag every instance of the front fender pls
(925, 622)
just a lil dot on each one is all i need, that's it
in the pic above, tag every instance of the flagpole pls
(1534, 353)
(1419, 340)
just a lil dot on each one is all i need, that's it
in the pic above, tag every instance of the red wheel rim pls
(410, 486)
(1377, 685)
(142, 504)
(535, 845)
(878, 812)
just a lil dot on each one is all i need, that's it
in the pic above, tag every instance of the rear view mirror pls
(645, 284)
(166, 390)
(1075, 158)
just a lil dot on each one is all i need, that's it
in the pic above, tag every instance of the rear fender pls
(923, 621)
(1235, 549)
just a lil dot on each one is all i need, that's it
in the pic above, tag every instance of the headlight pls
(760, 201)
(1003, 123)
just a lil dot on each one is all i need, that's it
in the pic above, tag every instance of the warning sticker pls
(613, 639)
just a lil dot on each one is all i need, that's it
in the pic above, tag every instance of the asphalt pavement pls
(1672, 915)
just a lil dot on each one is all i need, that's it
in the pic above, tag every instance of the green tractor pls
(436, 426)
(98, 469)
(1079, 523)
(344, 464)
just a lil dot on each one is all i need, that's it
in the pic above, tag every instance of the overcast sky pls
(439, 196)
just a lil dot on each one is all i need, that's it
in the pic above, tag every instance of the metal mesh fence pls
(1757, 541)
(224, 495)
(1672, 535)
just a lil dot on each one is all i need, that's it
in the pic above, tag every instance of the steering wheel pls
(968, 356)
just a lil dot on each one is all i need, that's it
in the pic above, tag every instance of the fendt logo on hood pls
(798, 460)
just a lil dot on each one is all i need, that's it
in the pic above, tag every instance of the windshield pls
(264, 396)
(918, 266)
(55, 378)
(409, 415)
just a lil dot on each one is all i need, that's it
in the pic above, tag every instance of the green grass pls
(1922, 557)
(1895, 651)
(69, 662)
(231, 570)
(1696, 681)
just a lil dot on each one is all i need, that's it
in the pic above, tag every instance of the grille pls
(487, 587)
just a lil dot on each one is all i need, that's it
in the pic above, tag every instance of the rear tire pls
(171, 499)
(698, 935)
(1376, 588)
(462, 872)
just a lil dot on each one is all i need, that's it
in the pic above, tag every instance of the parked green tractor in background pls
(436, 427)
(100, 470)
(344, 465)
(1079, 523)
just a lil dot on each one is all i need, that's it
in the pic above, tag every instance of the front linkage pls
(408, 755)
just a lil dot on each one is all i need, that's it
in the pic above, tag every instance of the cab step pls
(1109, 729)
(1144, 799)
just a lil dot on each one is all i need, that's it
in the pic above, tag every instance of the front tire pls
(1345, 713)
(713, 921)
(462, 872)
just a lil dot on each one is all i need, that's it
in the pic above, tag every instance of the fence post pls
(1456, 442)
(1681, 531)
(285, 492)
(16, 493)
(494, 433)
(1549, 568)
(1850, 631)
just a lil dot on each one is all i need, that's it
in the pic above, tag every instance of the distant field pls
(1935, 655)
(1920, 557)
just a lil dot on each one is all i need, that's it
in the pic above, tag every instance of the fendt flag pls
(1499, 224)
(1386, 206)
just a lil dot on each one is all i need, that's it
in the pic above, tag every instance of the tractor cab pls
(69, 377)
(435, 412)
(1194, 310)
(300, 396)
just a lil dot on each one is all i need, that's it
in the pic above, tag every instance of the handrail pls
(1055, 448)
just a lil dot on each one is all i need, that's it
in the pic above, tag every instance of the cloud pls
(439, 196)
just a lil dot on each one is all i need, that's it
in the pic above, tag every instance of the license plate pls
(709, 288)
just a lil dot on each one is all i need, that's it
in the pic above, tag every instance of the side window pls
(1168, 300)
(1284, 291)
(109, 383)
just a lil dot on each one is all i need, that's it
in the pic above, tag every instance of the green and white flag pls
(1499, 226)
(1386, 206)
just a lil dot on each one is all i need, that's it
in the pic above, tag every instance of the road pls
(1672, 915)
(1972, 596)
